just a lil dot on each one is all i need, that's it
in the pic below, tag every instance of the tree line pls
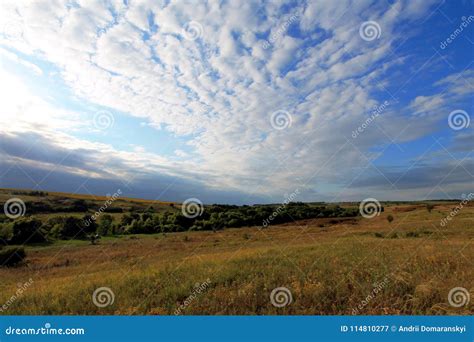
(31, 230)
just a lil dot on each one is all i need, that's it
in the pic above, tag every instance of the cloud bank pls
(212, 75)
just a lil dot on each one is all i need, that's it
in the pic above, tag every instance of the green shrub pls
(393, 235)
(89, 224)
(6, 233)
(71, 227)
(105, 225)
(412, 234)
(11, 256)
(27, 231)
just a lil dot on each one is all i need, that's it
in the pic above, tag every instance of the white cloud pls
(224, 86)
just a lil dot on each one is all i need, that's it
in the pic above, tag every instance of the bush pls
(389, 218)
(105, 225)
(136, 227)
(79, 205)
(12, 256)
(113, 210)
(412, 234)
(27, 231)
(6, 233)
(72, 227)
(393, 235)
(126, 220)
(89, 224)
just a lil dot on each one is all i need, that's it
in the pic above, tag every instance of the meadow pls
(347, 265)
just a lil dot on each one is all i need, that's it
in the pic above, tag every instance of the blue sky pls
(238, 102)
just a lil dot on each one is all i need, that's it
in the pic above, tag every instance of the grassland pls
(329, 266)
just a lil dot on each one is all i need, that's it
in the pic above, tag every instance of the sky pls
(238, 101)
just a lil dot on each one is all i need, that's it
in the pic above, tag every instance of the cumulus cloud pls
(220, 88)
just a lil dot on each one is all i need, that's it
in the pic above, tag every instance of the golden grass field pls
(329, 268)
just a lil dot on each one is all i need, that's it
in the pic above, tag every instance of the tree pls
(72, 227)
(90, 226)
(27, 231)
(80, 205)
(11, 256)
(136, 227)
(105, 224)
(126, 220)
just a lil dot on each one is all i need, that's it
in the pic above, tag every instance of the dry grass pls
(330, 267)
(6, 194)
